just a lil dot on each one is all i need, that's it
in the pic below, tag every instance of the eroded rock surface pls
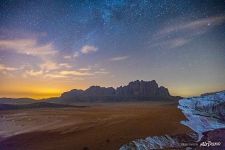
(204, 113)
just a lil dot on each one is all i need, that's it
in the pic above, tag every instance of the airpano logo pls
(209, 143)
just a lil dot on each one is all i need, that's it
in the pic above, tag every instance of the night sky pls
(47, 47)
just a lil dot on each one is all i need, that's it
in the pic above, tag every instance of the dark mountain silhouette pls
(134, 91)
(143, 89)
(34, 105)
(17, 101)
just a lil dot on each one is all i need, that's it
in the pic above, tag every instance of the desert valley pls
(101, 118)
(101, 121)
(95, 127)
(112, 74)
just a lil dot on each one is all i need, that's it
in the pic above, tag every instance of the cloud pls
(76, 73)
(54, 75)
(179, 34)
(88, 49)
(34, 73)
(6, 68)
(49, 65)
(47, 69)
(119, 58)
(45, 52)
(75, 55)
(84, 50)
(82, 72)
(27, 47)
(101, 72)
(67, 57)
(85, 69)
(171, 43)
(191, 26)
(65, 65)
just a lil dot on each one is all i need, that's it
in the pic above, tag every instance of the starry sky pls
(48, 47)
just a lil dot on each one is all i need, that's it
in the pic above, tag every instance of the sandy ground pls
(97, 127)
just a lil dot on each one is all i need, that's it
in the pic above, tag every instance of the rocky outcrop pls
(163, 92)
(160, 142)
(99, 91)
(204, 113)
(73, 93)
(136, 90)
(139, 89)
(205, 116)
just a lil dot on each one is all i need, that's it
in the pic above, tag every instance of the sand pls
(97, 127)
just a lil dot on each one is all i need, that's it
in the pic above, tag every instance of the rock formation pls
(72, 93)
(136, 90)
(204, 113)
(139, 88)
(99, 91)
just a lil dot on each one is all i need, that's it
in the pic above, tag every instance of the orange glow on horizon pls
(44, 92)
(34, 93)
(38, 88)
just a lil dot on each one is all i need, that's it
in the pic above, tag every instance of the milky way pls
(47, 47)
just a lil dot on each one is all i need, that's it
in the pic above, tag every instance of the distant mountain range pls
(35, 105)
(134, 91)
(17, 101)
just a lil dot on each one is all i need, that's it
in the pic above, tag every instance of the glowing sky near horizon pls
(47, 47)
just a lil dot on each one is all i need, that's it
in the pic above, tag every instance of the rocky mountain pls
(205, 115)
(99, 91)
(134, 91)
(143, 89)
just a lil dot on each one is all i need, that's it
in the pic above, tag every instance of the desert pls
(95, 127)
(112, 74)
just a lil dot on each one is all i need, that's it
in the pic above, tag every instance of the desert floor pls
(96, 127)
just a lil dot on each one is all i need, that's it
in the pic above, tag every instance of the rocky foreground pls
(205, 115)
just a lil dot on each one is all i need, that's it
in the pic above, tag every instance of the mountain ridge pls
(138, 90)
